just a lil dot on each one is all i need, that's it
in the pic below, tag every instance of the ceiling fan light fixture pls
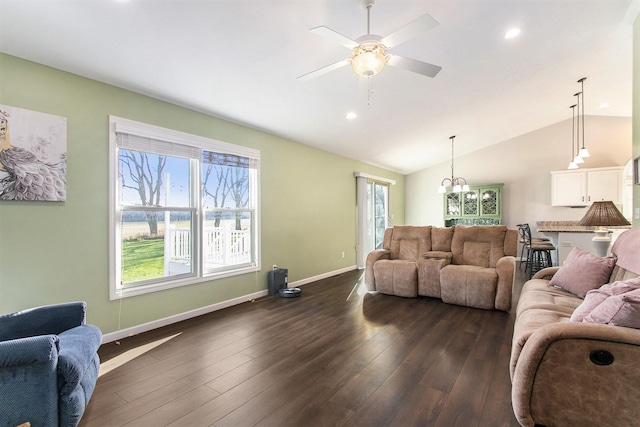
(369, 59)
(368, 52)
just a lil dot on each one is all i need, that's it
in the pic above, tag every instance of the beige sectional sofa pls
(465, 265)
(567, 370)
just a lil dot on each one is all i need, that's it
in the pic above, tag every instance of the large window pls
(183, 208)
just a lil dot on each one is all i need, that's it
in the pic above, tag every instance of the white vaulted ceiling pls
(239, 59)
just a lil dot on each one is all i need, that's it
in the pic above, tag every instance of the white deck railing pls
(221, 245)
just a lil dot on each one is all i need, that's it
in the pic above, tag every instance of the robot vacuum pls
(290, 292)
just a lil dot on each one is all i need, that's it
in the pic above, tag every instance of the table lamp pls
(603, 214)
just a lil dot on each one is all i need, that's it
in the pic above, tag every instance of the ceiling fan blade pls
(323, 70)
(335, 36)
(409, 31)
(414, 65)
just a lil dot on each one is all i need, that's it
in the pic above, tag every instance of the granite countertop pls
(568, 227)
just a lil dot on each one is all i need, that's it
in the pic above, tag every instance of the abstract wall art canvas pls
(33, 155)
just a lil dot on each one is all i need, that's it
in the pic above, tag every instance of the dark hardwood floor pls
(334, 357)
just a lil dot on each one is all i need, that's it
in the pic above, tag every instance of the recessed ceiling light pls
(512, 32)
(604, 105)
(351, 115)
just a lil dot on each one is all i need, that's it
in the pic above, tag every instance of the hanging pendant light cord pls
(582, 97)
(577, 95)
(573, 127)
(451, 138)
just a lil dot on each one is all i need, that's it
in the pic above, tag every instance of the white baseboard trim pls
(134, 330)
(154, 324)
(308, 280)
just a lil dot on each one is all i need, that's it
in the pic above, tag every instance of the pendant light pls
(455, 182)
(577, 159)
(572, 163)
(584, 153)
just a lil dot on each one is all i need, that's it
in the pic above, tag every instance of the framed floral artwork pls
(33, 155)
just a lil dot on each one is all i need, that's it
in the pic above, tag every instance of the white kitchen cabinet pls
(568, 188)
(583, 187)
(605, 184)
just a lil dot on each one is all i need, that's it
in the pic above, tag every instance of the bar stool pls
(538, 250)
(524, 232)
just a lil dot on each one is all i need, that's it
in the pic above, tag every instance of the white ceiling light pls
(369, 59)
(512, 33)
(351, 115)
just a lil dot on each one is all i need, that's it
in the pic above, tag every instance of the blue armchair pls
(48, 365)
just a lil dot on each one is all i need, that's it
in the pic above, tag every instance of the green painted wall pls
(55, 252)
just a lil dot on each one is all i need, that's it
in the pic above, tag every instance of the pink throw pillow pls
(618, 310)
(595, 297)
(583, 271)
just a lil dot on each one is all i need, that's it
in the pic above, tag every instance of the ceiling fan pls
(369, 51)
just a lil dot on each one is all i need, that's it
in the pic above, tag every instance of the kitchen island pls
(566, 235)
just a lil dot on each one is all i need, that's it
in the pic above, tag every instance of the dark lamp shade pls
(603, 214)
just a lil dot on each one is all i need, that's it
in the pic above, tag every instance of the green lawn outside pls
(142, 259)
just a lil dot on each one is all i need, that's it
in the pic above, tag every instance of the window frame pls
(189, 142)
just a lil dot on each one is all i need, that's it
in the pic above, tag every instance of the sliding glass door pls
(373, 215)
(378, 212)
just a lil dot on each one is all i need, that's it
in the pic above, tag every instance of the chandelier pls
(457, 184)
